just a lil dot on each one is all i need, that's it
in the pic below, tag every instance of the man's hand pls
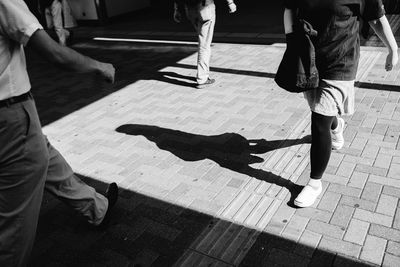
(177, 16)
(107, 71)
(232, 7)
(391, 60)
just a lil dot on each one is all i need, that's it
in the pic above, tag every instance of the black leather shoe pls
(112, 196)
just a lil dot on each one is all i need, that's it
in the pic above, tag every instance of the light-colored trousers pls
(28, 164)
(59, 17)
(203, 20)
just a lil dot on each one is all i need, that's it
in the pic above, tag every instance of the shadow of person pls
(229, 150)
(172, 78)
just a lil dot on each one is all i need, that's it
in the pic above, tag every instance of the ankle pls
(315, 183)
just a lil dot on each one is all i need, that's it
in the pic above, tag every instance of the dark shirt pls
(337, 45)
(190, 2)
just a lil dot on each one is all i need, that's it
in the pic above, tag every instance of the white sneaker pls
(307, 196)
(337, 135)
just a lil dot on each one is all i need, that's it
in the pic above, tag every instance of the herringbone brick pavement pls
(208, 176)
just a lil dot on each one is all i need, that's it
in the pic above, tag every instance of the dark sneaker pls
(207, 83)
(112, 196)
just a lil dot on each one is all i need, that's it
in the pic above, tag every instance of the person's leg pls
(23, 168)
(65, 185)
(321, 144)
(56, 12)
(205, 34)
(321, 147)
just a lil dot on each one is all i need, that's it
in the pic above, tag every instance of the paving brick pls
(344, 190)
(396, 222)
(356, 232)
(285, 258)
(393, 248)
(373, 250)
(391, 261)
(339, 246)
(307, 244)
(358, 180)
(370, 152)
(280, 219)
(259, 211)
(315, 214)
(266, 218)
(247, 208)
(326, 229)
(321, 257)
(342, 215)
(371, 191)
(329, 201)
(358, 160)
(372, 217)
(371, 170)
(384, 181)
(383, 161)
(240, 246)
(384, 232)
(295, 228)
(394, 171)
(391, 191)
(346, 169)
(237, 203)
(358, 203)
(387, 205)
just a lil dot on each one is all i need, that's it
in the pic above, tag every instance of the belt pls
(16, 99)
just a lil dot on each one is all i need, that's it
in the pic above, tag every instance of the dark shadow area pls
(72, 91)
(378, 86)
(172, 78)
(231, 71)
(150, 232)
(229, 150)
(252, 18)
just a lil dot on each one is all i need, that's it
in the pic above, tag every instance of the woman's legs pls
(321, 146)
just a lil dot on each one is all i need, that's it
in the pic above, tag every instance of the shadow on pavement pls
(145, 231)
(231, 71)
(229, 150)
(59, 93)
(378, 86)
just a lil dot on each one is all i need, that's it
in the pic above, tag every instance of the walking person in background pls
(28, 162)
(57, 13)
(201, 13)
(337, 49)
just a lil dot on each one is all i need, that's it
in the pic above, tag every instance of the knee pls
(321, 124)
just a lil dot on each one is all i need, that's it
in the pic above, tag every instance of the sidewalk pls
(193, 194)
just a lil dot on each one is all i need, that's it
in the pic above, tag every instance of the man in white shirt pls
(201, 14)
(28, 162)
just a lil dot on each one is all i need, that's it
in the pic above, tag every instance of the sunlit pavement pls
(208, 176)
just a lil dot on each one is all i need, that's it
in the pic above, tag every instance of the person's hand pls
(107, 71)
(391, 60)
(177, 16)
(232, 7)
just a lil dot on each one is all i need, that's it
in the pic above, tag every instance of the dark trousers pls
(28, 164)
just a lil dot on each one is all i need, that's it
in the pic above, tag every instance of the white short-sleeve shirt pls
(17, 24)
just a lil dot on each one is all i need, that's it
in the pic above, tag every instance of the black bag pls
(297, 71)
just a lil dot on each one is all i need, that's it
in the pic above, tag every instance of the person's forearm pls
(71, 60)
(62, 56)
(382, 28)
(288, 20)
(229, 2)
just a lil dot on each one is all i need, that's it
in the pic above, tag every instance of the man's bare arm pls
(382, 28)
(67, 58)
